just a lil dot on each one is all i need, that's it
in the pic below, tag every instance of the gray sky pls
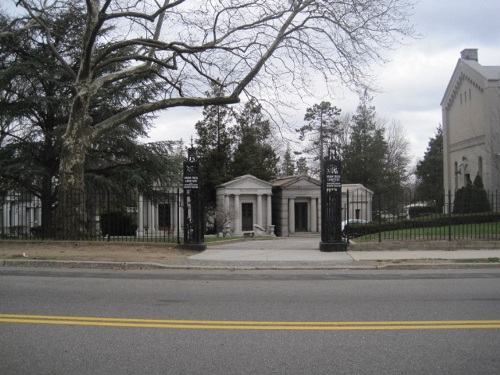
(412, 84)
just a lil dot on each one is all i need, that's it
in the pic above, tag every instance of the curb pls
(128, 266)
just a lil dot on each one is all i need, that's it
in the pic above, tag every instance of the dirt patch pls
(93, 251)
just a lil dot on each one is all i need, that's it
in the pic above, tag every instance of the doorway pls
(246, 216)
(301, 218)
(163, 216)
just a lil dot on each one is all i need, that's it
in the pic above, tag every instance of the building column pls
(237, 214)
(180, 207)
(140, 220)
(314, 215)
(291, 215)
(269, 211)
(226, 203)
(173, 213)
(259, 210)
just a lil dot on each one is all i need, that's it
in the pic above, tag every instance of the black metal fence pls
(474, 215)
(96, 215)
(158, 217)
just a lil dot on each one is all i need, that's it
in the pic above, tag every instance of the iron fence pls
(99, 216)
(158, 217)
(402, 217)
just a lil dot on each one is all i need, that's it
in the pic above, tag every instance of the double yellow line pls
(251, 325)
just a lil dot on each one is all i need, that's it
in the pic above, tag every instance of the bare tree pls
(398, 156)
(259, 46)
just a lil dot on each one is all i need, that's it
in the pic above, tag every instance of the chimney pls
(469, 54)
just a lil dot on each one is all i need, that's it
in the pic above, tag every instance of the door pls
(163, 216)
(301, 218)
(246, 216)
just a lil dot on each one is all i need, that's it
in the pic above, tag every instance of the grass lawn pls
(482, 231)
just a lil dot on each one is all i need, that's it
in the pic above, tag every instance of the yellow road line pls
(250, 325)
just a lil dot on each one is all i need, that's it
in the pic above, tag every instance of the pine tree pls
(321, 129)
(429, 171)
(288, 164)
(253, 153)
(214, 145)
(365, 155)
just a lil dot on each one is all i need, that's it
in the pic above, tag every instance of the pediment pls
(246, 182)
(469, 71)
(297, 182)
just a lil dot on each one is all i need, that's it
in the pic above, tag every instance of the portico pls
(295, 205)
(246, 201)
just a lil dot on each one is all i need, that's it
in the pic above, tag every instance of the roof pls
(470, 70)
(290, 180)
(246, 179)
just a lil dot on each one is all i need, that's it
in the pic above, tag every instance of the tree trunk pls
(71, 218)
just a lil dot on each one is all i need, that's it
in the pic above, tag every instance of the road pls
(255, 322)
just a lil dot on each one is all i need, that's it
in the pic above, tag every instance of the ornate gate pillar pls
(193, 205)
(331, 205)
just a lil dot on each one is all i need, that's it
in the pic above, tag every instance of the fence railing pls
(97, 216)
(158, 217)
(401, 217)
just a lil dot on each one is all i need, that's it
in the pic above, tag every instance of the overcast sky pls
(413, 82)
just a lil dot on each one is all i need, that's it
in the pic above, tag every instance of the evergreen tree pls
(253, 153)
(365, 154)
(302, 167)
(288, 164)
(214, 145)
(429, 171)
(480, 202)
(35, 106)
(321, 128)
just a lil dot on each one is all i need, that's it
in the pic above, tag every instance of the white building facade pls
(247, 201)
(471, 124)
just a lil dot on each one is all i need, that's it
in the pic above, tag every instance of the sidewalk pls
(302, 253)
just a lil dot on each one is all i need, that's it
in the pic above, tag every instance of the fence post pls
(178, 217)
(449, 215)
(347, 218)
(109, 217)
(379, 217)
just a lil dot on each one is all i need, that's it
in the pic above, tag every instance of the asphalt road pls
(223, 322)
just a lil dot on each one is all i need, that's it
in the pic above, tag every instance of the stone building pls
(286, 206)
(246, 202)
(296, 205)
(471, 124)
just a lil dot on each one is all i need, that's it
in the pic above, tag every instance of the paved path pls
(296, 249)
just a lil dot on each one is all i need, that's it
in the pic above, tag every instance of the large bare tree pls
(264, 47)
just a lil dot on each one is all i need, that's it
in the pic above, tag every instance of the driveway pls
(283, 243)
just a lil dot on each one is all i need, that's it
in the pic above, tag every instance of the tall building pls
(471, 124)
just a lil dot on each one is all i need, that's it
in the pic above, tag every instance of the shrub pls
(117, 224)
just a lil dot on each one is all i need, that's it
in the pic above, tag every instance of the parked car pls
(345, 226)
